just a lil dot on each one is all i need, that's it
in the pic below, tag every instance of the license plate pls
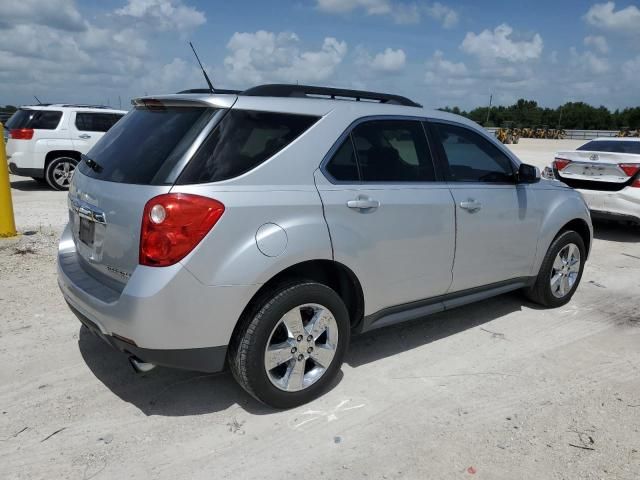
(592, 171)
(87, 231)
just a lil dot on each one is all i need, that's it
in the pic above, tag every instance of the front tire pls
(291, 346)
(59, 172)
(561, 271)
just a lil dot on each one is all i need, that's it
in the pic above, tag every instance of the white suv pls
(45, 141)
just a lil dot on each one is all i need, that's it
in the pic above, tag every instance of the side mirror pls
(528, 174)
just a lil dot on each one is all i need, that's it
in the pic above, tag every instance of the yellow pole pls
(7, 222)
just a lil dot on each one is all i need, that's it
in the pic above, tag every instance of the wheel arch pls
(333, 274)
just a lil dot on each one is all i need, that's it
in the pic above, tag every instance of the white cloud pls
(500, 45)
(267, 56)
(588, 62)
(371, 7)
(598, 42)
(57, 14)
(438, 64)
(605, 16)
(631, 69)
(400, 12)
(447, 16)
(387, 61)
(163, 14)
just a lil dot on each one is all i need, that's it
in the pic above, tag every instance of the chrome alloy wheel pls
(63, 173)
(301, 347)
(565, 270)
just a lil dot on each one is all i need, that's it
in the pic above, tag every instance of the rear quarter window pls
(243, 140)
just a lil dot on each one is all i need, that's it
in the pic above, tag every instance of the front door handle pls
(363, 203)
(85, 136)
(471, 205)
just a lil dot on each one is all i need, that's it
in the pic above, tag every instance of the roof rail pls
(81, 105)
(286, 90)
(206, 90)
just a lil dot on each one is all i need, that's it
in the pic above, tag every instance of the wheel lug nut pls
(300, 337)
(300, 357)
(310, 349)
(309, 338)
(294, 350)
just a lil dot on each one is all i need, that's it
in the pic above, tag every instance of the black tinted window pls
(146, 145)
(473, 158)
(342, 165)
(614, 146)
(40, 119)
(96, 122)
(393, 151)
(242, 141)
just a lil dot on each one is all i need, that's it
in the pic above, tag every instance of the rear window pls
(96, 122)
(242, 141)
(614, 146)
(145, 146)
(37, 119)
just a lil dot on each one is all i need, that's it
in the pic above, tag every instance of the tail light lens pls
(173, 224)
(21, 133)
(561, 163)
(630, 168)
(636, 183)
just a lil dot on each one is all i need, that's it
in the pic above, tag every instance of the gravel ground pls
(497, 390)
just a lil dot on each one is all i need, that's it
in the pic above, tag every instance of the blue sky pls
(439, 53)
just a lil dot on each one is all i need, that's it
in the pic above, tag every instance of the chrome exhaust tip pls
(139, 366)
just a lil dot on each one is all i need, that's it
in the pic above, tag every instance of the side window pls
(472, 158)
(95, 122)
(343, 166)
(241, 141)
(46, 120)
(393, 151)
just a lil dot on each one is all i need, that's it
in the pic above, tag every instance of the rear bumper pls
(211, 359)
(163, 316)
(26, 172)
(623, 205)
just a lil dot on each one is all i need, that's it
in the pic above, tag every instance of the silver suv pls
(260, 230)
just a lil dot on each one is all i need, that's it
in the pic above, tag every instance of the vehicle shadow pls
(29, 186)
(166, 391)
(170, 392)
(616, 231)
(395, 339)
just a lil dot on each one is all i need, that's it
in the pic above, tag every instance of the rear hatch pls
(597, 170)
(23, 126)
(136, 160)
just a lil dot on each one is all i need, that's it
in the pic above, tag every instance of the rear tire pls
(559, 277)
(59, 172)
(277, 364)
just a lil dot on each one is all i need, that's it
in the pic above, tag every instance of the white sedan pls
(607, 173)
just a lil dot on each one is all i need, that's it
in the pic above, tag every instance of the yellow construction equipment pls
(627, 132)
(7, 222)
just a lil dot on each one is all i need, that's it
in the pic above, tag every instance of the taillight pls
(21, 133)
(629, 168)
(173, 224)
(636, 183)
(560, 163)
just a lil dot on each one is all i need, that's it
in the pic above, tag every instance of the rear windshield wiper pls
(93, 165)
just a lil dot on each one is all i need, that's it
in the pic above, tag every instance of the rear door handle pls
(363, 203)
(85, 136)
(471, 205)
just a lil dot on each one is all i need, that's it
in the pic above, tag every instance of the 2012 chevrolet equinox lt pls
(261, 229)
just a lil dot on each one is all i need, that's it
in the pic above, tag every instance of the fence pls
(577, 134)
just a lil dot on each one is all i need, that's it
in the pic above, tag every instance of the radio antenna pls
(206, 77)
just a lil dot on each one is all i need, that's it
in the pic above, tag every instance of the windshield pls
(614, 146)
(145, 145)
